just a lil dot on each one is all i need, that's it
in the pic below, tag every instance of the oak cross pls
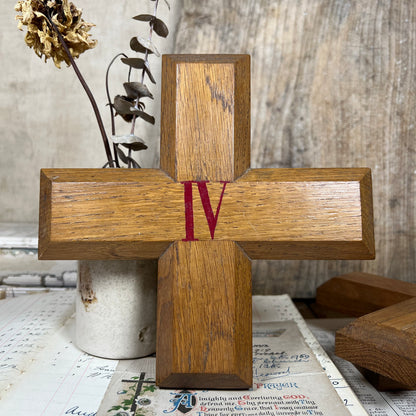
(204, 215)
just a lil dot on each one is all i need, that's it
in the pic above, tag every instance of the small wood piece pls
(356, 294)
(383, 342)
(203, 215)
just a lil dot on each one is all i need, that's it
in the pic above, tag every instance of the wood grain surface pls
(383, 342)
(332, 86)
(357, 294)
(270, 213)
(205, 117)
(204, 316)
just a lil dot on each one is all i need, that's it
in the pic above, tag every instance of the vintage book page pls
(288, 380)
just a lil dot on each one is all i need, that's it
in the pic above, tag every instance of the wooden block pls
(356, 294)
(383, 342)
(204, 314)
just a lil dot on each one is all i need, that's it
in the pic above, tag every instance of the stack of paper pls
(43, 373)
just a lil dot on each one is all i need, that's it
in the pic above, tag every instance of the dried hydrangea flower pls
(41, 36)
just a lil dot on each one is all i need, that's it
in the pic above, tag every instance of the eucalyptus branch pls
(107, 89)
(146, 55)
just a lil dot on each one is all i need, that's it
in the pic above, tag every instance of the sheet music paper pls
(61, 381)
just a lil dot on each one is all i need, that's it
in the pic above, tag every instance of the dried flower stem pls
(88, 92)
(110, 104)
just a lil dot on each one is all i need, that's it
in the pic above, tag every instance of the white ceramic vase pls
(116, 308)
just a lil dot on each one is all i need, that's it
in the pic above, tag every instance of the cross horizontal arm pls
(100, 214)
(274, 214)
(310, 214)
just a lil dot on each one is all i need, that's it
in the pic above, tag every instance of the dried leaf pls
(137, 63)
(126, 139)
(125, 107)
(146, 117)
(122, 156)
(148, 44)
(135, 146)
(137, 89)
(160, 28)
(158, 25)
(122, 105)
(136, 46)
(125, 159)
(144, 17)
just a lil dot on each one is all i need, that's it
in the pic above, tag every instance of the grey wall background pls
(333, 84)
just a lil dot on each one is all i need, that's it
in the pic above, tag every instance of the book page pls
(43, 373)
(287, 380)
(281, 307)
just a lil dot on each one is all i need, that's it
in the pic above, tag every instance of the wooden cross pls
(204, 215)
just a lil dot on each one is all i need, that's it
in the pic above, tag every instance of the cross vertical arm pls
(205, 123)
(204, 305)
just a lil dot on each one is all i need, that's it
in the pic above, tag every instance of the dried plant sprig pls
(113, 124)
(130, 105)
(55, 29)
